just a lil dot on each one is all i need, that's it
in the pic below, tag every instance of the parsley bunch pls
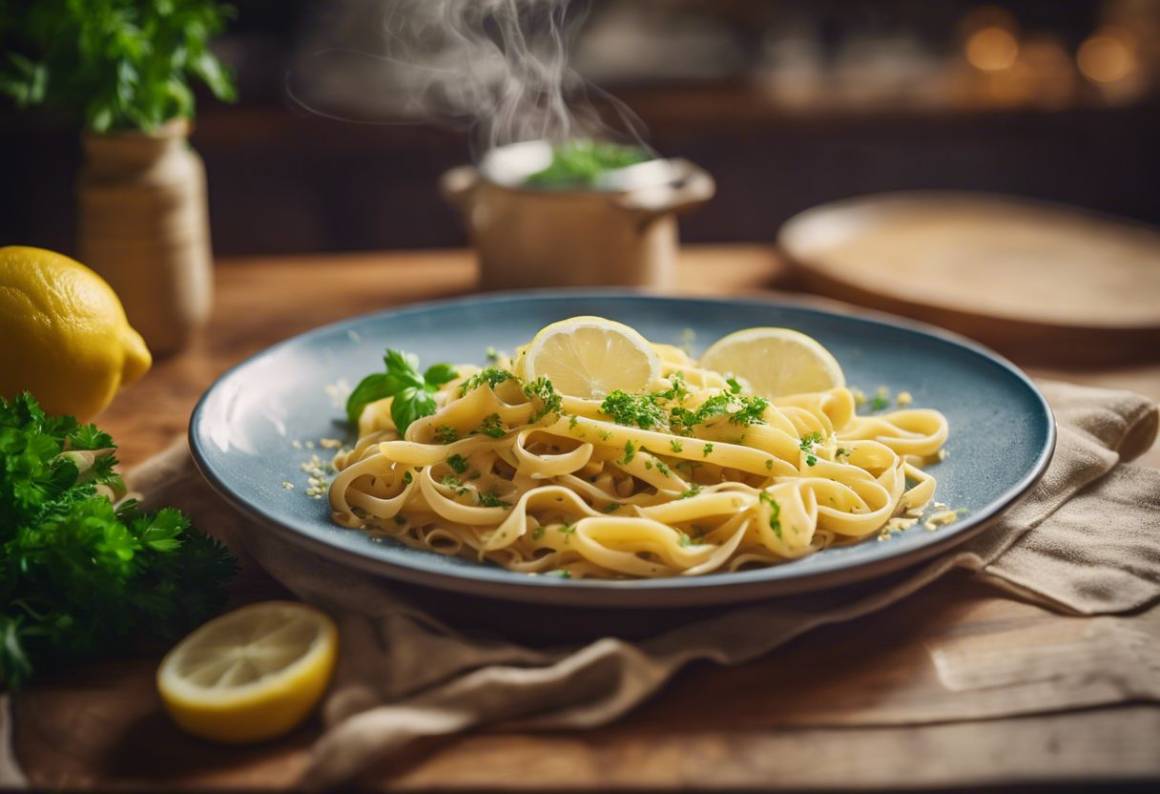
(402, 380)
(80, 577)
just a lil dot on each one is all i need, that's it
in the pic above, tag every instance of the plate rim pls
(659, 592)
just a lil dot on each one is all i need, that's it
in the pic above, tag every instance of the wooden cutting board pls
(1010, 272)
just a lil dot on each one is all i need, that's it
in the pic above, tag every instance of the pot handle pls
(691, 187)
(458, 184)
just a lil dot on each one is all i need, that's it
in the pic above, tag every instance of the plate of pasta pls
(613, 449)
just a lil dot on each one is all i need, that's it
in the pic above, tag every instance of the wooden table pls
(102, 726)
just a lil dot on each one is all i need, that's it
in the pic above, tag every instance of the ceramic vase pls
(144, 227)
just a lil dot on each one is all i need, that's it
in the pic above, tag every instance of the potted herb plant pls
(125, 68)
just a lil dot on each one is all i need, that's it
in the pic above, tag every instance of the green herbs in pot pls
(83, 571)
(580, 163)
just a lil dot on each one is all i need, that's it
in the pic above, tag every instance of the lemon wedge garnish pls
(251, 674)
(775, 362)
(590, 357)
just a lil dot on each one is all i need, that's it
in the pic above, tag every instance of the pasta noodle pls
(703, 477)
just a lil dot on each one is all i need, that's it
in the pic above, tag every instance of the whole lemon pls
(63, 334)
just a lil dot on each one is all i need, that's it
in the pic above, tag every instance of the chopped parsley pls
(676, 445)
(751, 412)
(741, 410)
(611, 507)
(458, 463)
(491, 354)
(408, 477)
(663, 468)
(492, 426)
(568, 530)
(446, 434)
(707, 450)
(491, 499)
(573, 421)
(685, 540)
(675, 393)
(633, 409)
(879, 403)
(537, 533)
(629, 452)
(541, 389)
(769, 464)
(734, 386)
(454, 483)
(492, 376)
(693, 491)
(774, 513)
(807, 446)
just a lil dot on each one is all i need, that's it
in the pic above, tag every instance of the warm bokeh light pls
(992, 49)
(1108, 56)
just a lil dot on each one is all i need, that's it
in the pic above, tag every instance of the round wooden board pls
(1011, 272)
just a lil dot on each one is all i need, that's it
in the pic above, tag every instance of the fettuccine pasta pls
(694, 476)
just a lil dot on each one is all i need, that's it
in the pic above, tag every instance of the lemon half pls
(776, 362)
(590, 357)
(251, 674)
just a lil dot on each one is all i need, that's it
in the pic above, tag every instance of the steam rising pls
(498, 68)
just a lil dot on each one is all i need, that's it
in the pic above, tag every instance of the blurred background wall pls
(789, 103)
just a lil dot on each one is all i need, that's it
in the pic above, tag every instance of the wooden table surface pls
(102, 726)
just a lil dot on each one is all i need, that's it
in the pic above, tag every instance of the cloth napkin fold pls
(1085, 540)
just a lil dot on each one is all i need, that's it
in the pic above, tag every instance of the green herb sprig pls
(80, 577)
(402, 380)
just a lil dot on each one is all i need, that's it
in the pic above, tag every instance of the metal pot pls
(621, 231)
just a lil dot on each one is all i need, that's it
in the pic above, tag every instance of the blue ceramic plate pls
(243, 432)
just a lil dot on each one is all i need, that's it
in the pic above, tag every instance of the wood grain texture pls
(1052, 282)
(778, 722)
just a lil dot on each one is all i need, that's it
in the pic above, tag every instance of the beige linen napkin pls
(1086, 540)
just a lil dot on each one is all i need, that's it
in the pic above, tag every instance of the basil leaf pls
(411, 404)
(405, 368)
(438, 374)
(371, 388)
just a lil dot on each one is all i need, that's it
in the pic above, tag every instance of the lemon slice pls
(590, 357)
(775, 361)
(251, 674)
